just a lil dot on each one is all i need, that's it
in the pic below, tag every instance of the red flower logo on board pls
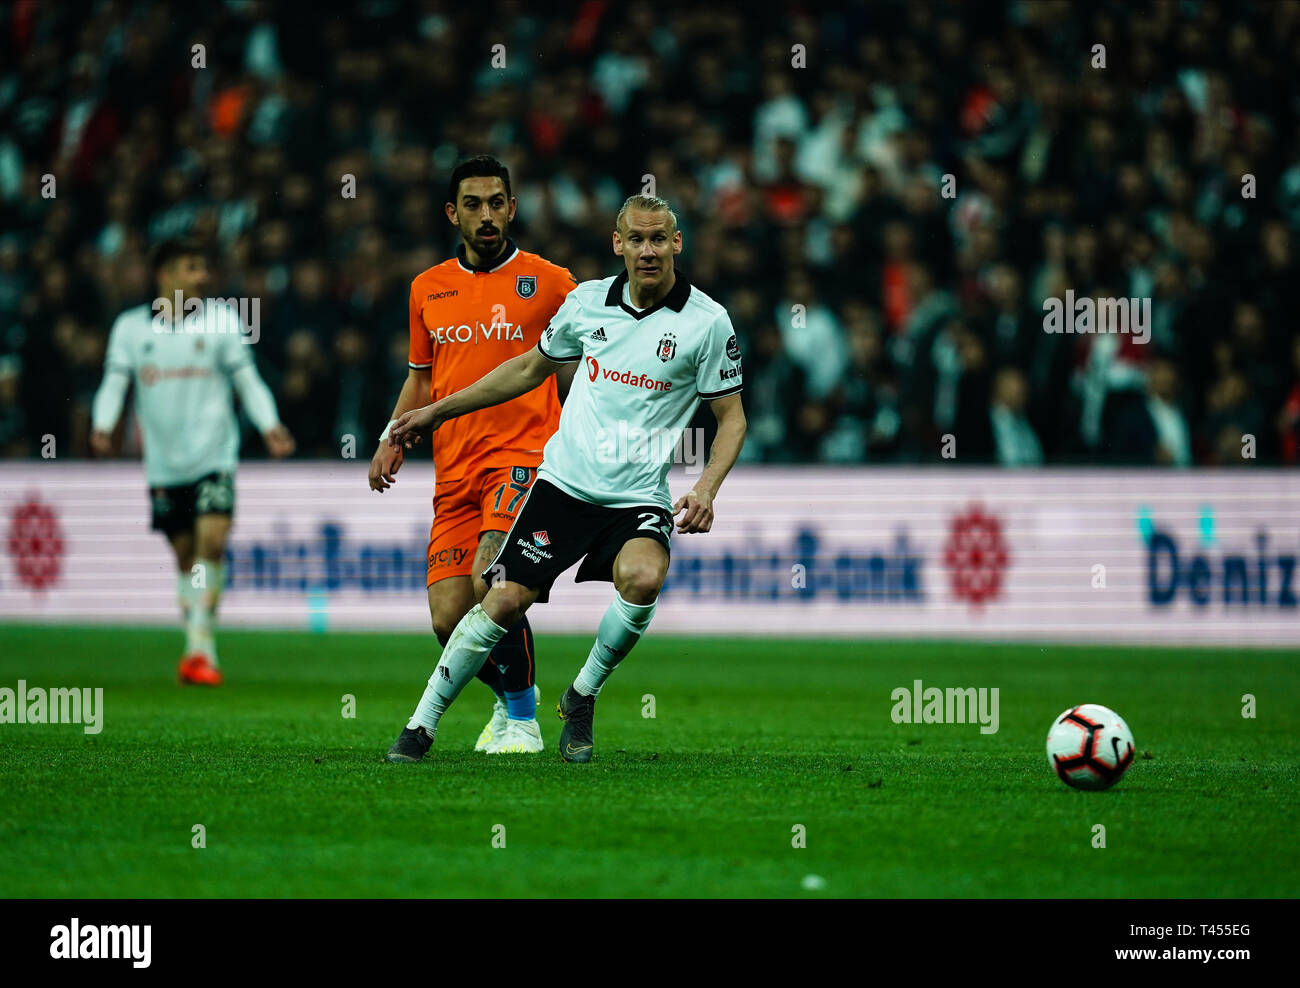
(35, 544)
(976, 555)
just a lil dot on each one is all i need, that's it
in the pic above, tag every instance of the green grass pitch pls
(750, 739)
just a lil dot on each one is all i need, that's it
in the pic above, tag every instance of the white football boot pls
(521, 737)
(493, 729)
(496, 727)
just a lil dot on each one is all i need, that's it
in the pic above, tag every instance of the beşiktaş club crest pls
(667, 347)
(526, 285)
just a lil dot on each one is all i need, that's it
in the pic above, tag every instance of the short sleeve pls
(561, 340)
(718, 363)
(420, 354)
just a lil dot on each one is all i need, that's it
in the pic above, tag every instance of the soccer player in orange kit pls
(489, 303)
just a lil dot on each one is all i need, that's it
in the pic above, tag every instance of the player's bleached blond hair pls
(651, 204)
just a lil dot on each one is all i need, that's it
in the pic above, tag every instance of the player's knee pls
(505, 604)
(444, 625)
(183, 548)
(443, 622)
(211, 545)
(639, 583)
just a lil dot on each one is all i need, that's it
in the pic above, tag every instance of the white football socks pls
(203, 615)
(462, 657)
(620, 629)
(189, 600)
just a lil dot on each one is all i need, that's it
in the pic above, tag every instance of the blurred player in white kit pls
(184, 369)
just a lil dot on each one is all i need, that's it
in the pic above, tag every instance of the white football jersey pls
(641, 378)
(182, 391)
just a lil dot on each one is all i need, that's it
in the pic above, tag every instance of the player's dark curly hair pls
(479, 166)
(175, 247)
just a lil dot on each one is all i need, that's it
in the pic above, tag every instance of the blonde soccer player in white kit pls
(184, 370)
(650, 347)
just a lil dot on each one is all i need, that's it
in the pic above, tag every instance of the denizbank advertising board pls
(1190, 557)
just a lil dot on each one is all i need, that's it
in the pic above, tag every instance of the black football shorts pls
(174, 509)
(554, 530)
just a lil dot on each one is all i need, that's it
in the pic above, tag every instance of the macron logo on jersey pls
(594, 371)
(499, 331)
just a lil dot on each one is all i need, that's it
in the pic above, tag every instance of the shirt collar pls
(500, 260)
(675, 299)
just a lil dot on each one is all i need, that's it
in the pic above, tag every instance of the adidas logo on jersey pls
(599, 336)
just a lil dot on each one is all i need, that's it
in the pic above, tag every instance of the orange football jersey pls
(464, 322)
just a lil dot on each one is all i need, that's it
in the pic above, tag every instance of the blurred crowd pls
(883, 195)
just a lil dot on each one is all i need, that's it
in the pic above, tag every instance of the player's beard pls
(488, 249)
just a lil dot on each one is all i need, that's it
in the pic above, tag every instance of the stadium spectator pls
(1173, 445)
(1014, 442)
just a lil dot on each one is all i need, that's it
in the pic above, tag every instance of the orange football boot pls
(199, 670)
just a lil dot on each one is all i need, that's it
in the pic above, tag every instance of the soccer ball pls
(1089, 747)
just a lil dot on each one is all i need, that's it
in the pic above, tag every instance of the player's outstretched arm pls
(698, 501)
(388, 458)
(515, 377)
